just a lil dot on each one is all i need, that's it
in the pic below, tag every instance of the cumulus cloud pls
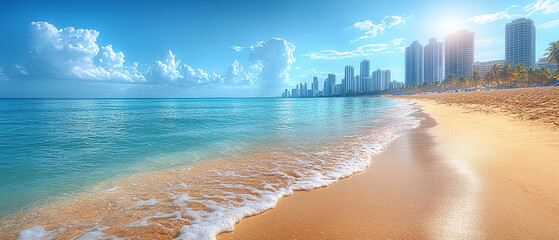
(70, 53)
(365, 50)
(168, 70)
(272, 60)
(544, 6)
(73, 54)
(267, 66)
(372, 30)
(549, 24)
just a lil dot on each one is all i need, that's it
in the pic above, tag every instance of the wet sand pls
(466, 175)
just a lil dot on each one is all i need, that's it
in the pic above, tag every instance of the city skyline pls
(181, 50)
(439, 60)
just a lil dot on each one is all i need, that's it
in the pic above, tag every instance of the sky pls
(191, 49)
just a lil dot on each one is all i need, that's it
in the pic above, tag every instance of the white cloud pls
(402, 49)
(272, 60)
(549, 24)
(236, 75)
(365, 50)
(491, 17)
(267, 66)
(397, 41)
(393, 20)
(73, 54)
(311, 73)
(237, 48)
(545, 6)
(168, 70)
(372, 30)
(69, 53)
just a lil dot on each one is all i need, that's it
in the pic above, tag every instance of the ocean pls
(187, 168)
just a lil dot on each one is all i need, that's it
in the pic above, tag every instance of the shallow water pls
(166, 168)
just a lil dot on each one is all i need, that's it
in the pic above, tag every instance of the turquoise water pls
(54, 148)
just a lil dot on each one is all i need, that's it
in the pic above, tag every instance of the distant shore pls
(482, 165)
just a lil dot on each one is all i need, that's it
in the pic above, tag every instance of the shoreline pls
(200, 200)
(474, 175)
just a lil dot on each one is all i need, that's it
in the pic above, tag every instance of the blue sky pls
(231, 48)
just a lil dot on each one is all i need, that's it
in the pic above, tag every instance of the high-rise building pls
(358, 84)
(330, 85)
(396, 85)
(332, 80)
(377, 80)
(315, 83)
(381, 80)
(386, 79)
(326, 90)
(350, 80)
(285, 94)
(414, 64)
(483, 67)
(459, 54)
(433, 60)
(368, 84)
(520, 42)
(365, 70)
(365, 75)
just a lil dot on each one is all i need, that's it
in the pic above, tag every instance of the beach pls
(481, 165)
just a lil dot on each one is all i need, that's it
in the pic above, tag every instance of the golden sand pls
(471, 175)
(538, 105)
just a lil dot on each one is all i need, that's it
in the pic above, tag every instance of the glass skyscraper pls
(459, 54)
(520, 42)
(414, 64)
(433, 61)
(350, 82)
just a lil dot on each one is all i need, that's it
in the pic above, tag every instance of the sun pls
(449, 26)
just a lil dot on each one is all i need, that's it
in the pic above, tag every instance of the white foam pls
(35, 233)
(206, 225)
(112, 189)
(149, 202)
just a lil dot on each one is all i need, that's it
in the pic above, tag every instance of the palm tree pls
(448, 81)
(552, 53)
(507, 73)
(532, 75)
(494, 73)
(487, 78)
(521, 73)
(476, 78)
(462, 81)
(544, 74)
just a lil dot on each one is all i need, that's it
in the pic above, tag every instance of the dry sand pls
(468, 175)
(537, 105)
